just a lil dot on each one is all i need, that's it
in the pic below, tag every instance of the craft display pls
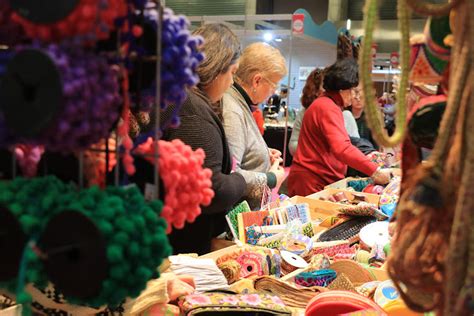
(187, 184)
(72, 97)
(134, 242)
(357, 274)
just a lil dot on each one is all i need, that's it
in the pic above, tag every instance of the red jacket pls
(324, 149)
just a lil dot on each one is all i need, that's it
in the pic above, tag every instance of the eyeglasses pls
(272, 85)
(356, 93)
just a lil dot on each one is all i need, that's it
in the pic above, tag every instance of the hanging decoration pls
(442, 278)
(72, 99)
(116, 245)
(187, 184)
(374, 117)
(90, 20)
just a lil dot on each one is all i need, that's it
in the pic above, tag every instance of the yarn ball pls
(91, 19)
(125, 220)
(187, 184)
(91, 100)
(359, 185)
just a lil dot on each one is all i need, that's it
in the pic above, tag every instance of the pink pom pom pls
(188, 185)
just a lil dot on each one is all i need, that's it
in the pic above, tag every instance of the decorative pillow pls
(230, 304)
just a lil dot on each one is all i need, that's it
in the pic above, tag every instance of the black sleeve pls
(198, 133)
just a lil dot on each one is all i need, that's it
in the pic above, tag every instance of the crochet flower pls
(230, 299)
(277, 301)
(251, 299)
(197, 299)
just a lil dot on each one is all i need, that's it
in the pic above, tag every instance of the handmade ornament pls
(252, 264)
(319, 262)
(67, 232)
(57, 117)
(89, 19)
(425, 67)
(315, 278)
(439, 191)
(187, 184)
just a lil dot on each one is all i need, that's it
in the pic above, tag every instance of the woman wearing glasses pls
(324, 148)
(260, 70)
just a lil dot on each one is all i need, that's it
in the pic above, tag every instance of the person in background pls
(324, 148)
(312, 89)
(201, 128)
(261, 68)
(357, 109)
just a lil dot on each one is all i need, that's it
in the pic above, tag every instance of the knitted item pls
(134, 234)
(187, 184)
(374, 119)
(90, 19)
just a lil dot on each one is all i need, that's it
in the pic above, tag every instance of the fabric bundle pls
(206, 274)
(292, 296)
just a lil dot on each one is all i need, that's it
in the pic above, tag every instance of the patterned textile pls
(223, 303)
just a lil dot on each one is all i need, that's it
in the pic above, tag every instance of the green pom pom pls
(134, 249)
(118, 272)
(105, 227)
(23, 298)
(121, 238)
(114, 253)
(143, 273)
(28, 222)
(124, 224)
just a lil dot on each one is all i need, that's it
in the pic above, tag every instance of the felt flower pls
(277, 301)
(197, 299)
(251, 299)
(233, 300)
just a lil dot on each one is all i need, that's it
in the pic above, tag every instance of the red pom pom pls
(137, 31)
(188, 185)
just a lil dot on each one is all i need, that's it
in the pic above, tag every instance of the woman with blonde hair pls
(201, 128)
(261, 68)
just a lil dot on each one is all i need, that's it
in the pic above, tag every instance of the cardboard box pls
(333, 206)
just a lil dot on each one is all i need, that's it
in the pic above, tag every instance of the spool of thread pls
(362, 256)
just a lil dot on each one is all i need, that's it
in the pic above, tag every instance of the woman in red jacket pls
(324, 148)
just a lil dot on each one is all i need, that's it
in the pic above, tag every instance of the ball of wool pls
(187, 184)
(91, 20)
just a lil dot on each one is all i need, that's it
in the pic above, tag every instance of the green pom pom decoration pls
(135, 235)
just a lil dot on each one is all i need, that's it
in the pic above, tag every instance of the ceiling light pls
(268, 37)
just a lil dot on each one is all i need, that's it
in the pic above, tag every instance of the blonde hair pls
(260, 58)
(221, 49)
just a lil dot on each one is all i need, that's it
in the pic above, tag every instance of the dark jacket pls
(201, 128)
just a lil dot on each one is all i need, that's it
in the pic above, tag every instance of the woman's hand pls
(279, 172)
(381, 176)
(275, 154)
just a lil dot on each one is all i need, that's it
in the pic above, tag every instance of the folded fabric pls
(229, 304)
(207, 276)
(337, 251)
(159, 292)
(291, 295)
(315, 278)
